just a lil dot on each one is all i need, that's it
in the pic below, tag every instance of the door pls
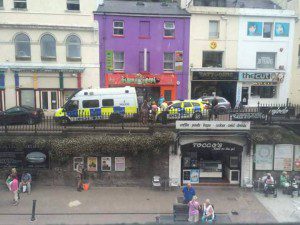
(27, 98)
(174, 111)
(187, 111)
(245, 95)
(49, 100)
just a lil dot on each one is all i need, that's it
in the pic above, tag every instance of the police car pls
(187, 109)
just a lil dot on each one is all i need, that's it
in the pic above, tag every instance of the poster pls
(297, 158)
(109, 58)
(92, 164)
(264, 157)
(282, 29)
(106, 163)
(76, 161)
(119, 163)
(186, 176)
(283, 159)
(179, 60)
(195, 176)
(254, 29)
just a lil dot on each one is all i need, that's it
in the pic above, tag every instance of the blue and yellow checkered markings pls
(197, 109)
(95, 112)
(73, 113)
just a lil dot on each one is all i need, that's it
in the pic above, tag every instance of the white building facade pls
(48, 52)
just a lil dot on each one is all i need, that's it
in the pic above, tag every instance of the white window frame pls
(173, 61)
(169, 29)
(20, 1)
(17, 55)
(48, 58)
(211, 34)
(123, 61)
(71, 58)
(49, 92)
(118, 27)
(74, 2)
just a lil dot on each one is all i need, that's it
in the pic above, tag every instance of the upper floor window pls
(1, 3)
(20, 4)
(144, 29)
(73, 45)
(265, 60)
(214, 3)
(169, 29)
(22, 47)
(212, 59)
(118, 28)
(169, 61)
(48, 47)
(73, 5)
(268, 30)
(119, 61)
(214, 29)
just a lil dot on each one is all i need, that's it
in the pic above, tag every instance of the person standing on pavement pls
(208, 212)
(14, 187)
(144, 112)
(161, 100)
(9, 178)
(213, 110)
(194, 208)
(164, 109)
(188, 193)
(25, 181)
(79, 176)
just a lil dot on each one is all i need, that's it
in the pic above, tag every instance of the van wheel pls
(30, 121)
(64, 121)
(116, 118)
(197, 116)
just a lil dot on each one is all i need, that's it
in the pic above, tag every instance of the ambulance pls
(99, 104)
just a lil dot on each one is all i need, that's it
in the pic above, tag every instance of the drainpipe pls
(145, 59)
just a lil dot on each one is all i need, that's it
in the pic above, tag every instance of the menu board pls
(264, 157)
(283, 159)
(297, 158)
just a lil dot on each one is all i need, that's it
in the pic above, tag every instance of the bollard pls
(33, 211)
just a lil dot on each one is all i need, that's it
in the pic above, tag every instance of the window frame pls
(16, 2)
(263, 93)
(78, 44)
(114, 61)
(271, 31)
(72, 2)
(173, 61)
(90, 100)
(108, 99)
(214, 52)
(218, 29)
(169, 29)
(48, 58)
(17, 56)
(118, 28)
(140, 30)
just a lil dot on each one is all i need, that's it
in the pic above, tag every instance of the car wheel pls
(115, 118)
(64, 121)
(197, 116)
(222, 111)
(30, 121)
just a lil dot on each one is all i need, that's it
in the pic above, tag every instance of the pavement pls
(109, 205)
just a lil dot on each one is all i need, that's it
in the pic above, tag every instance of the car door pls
(12, 115)
(187, 111)
(174, 111)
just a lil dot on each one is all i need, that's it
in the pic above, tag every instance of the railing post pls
(287, 102)
(122, 121)
(33, 211)
(5, 128)
(35, 130)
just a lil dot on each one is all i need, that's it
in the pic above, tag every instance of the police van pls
(98, 104)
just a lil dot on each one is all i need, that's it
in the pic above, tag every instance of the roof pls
(263, 4)
(144, 8)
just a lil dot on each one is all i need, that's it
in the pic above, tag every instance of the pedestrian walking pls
(79, 176)
(144, 112)
(9, 179)
(154, 109)
(188, 193)
(194, 209)
(208, 212)
(213, 109)
(14, 187)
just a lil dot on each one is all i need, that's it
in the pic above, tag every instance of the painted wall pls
(131, 44)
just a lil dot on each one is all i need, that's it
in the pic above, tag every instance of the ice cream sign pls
(139, 79)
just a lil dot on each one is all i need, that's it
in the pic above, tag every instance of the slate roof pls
(145, 8)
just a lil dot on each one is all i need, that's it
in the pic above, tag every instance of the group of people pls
(196, 210)
(16, 187)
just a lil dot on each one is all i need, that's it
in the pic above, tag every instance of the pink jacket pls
(14, 185)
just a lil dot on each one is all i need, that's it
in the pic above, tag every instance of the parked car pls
(223, 106)
(21, 115)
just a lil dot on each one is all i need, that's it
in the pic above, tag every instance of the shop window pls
(142, 58)
(73, 5)
(264, 91)
(144, 29)
(48, 47)
(214, 29)
(73, 45)
(20, 4)
(265, 60)
(169, 61)
(107, 102)
(45, 100)
(27, 98)
(119, 61)
(268, 29)
(22, 47)
(212, 59)
(118, 28)
(169, 29)
(90, 104)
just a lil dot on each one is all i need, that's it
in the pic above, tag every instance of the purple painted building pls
(145, 45)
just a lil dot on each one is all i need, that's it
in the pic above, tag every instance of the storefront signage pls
(92, 164)
(264, 157)
(297, 158)
(217, 146)
(139, 79)
(213, 125)
(261, 77)
(283, 157)
(248, 116)
(215, 75)
(279, 111)
(178, 60)
(109, 60)
(119, 163)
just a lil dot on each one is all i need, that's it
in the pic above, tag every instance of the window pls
(71, 105)
(49, 100)
(263, 91)
(90, 104)
(22, 47)
(268, 29)
(299, 56)
(1, 3)
(212, 59)
(176, 105)
(73, 45)
(265, 60)
(20, 4)
(214, 29)
(119, 61)
(144, 29)
(27, 98)
(48, 47)
(44, 100)
(107, 102)
(169, 29)
(214, 3)
(168, 61)
(73, 5)
(53, 100)
(118, 28)
(187, 104)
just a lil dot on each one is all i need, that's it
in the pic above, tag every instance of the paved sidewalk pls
(127, 205)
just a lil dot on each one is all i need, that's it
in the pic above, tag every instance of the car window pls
(196, 104)
(107, 102)
(13, 110)
(90, 103)
(72, 105)
(176, 105)
(187, 104)
(221, 100)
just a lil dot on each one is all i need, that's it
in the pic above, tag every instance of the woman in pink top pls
(194, 210)
(14, 189)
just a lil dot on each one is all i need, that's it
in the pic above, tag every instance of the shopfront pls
(148, 86)
(222, 83)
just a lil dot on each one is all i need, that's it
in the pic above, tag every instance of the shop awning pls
(47, 68)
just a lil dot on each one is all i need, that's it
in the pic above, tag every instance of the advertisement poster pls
(92, 164)
(186, 176)
(283, 159)
(178, 60)
(254, 29)
(264, 157)
(106, 163)
(282, 29)
(297, 158)
(119, 163)
(76, 161)
(195, 176)
(109, 60)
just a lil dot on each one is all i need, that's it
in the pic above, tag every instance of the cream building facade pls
(48, 51)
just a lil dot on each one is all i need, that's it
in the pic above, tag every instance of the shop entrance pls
(211, 162)
(147, 93)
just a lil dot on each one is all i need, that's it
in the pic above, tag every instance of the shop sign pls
(248, 116)
(178, 60)
(283, 157)
(281, 112)
(297, 158)
(215, 75)
(217, 146)
(139, 79)
(261, 77)
(212, 125)
(109, 60)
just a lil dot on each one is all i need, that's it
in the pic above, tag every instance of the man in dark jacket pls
(213, 109)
